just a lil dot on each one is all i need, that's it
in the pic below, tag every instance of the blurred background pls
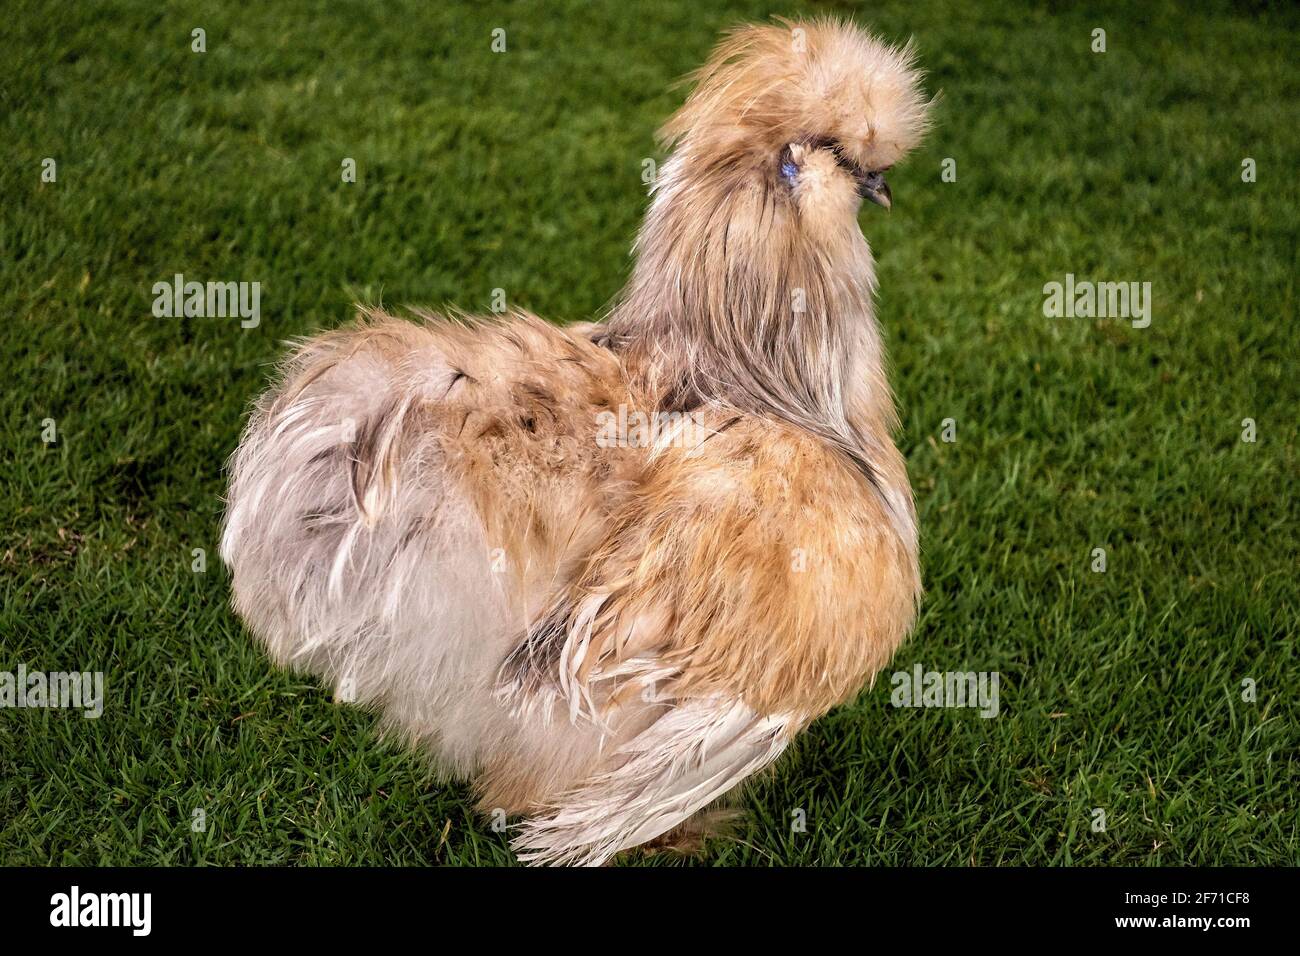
(521, 170)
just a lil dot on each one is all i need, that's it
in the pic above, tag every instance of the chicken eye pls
(789, 170)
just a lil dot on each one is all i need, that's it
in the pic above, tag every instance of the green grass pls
(521, 171)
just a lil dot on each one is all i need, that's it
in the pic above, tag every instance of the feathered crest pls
(794, 80)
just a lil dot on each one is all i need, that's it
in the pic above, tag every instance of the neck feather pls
(732, 300)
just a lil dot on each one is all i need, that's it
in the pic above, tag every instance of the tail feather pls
(345, 556)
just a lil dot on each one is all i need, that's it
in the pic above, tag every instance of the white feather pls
(689, 757)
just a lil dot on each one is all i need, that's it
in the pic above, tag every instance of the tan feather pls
(607, 636)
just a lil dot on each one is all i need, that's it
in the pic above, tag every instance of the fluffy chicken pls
(607, 572)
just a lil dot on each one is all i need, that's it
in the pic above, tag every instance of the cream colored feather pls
(605, 637)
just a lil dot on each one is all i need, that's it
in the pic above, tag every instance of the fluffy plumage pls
(607, 630)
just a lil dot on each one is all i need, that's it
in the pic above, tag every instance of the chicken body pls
(608, 572)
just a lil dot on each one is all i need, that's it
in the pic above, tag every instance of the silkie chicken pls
(607, 572)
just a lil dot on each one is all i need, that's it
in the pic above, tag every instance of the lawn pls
(1161, 692)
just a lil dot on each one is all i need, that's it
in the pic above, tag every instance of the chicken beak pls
(872, 186)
